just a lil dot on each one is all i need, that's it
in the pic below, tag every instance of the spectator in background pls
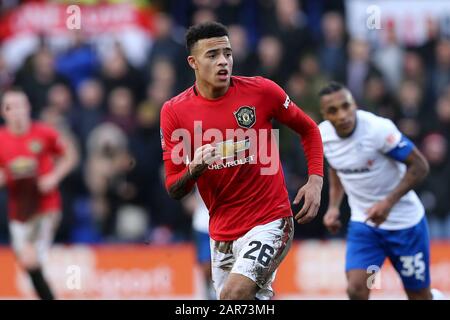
(389, 56)
(203, 15)
(143, 143)
(79, 62)
(233, 11)
(242, 56)
(108, 163)
(359, 67)
(410, 110)
(165, 46)
(289, 26)
(440, 72)
(314, 80)
(117, 72)
(60, 100)
(435, 190)
(413, 68)
(269, 61)
(164, 74)
(90, 111)
(377, 98)
(38, 77)
(296, 87)
(332, 53)
(443, 115)
(121, 109)
(427, 50)
(6, 77)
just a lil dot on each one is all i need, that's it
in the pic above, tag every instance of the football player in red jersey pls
(251, 223)
(34, 159)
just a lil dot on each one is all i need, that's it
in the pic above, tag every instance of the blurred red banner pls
(54, 18)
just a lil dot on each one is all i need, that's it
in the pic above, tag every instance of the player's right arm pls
(336, 194)
(180, 176)
(180, 182)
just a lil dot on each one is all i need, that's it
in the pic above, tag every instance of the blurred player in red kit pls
(34, 159)
(251, 224)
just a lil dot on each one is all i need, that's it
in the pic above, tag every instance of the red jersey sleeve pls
(174, 171)
(288, 113)
(55, 145)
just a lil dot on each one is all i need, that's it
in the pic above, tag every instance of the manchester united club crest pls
(35, 146)
(245, 116)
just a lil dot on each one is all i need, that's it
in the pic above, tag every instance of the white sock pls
(437, 295)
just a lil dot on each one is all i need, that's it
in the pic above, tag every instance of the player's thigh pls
(222, 261)
(22, 235)
(261, 250)
(47, 226)
(409, 252)
(364, 248)
(239, 287)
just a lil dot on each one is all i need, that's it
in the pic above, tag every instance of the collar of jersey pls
(202, 98)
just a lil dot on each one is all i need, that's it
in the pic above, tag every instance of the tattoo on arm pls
(178, 190)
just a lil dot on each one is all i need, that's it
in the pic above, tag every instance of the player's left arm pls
(288, 113)
(417, 169)
(62, 147)
(2, 177)
(2, 173)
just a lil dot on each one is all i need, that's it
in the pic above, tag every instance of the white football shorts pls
(38, 231)
(256, 255)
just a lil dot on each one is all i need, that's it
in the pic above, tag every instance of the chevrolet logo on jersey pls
(245, 116)
(229, 148)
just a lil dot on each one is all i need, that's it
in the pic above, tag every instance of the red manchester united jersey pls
(246, 187)
(24, 158)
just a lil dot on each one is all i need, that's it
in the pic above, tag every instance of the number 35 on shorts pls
(413, 266)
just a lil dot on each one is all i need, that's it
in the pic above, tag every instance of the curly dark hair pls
(204, 31)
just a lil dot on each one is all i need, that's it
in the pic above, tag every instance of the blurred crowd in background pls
(109, 102)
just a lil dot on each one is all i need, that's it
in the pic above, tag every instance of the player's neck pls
(19, 130)
(209, 92)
